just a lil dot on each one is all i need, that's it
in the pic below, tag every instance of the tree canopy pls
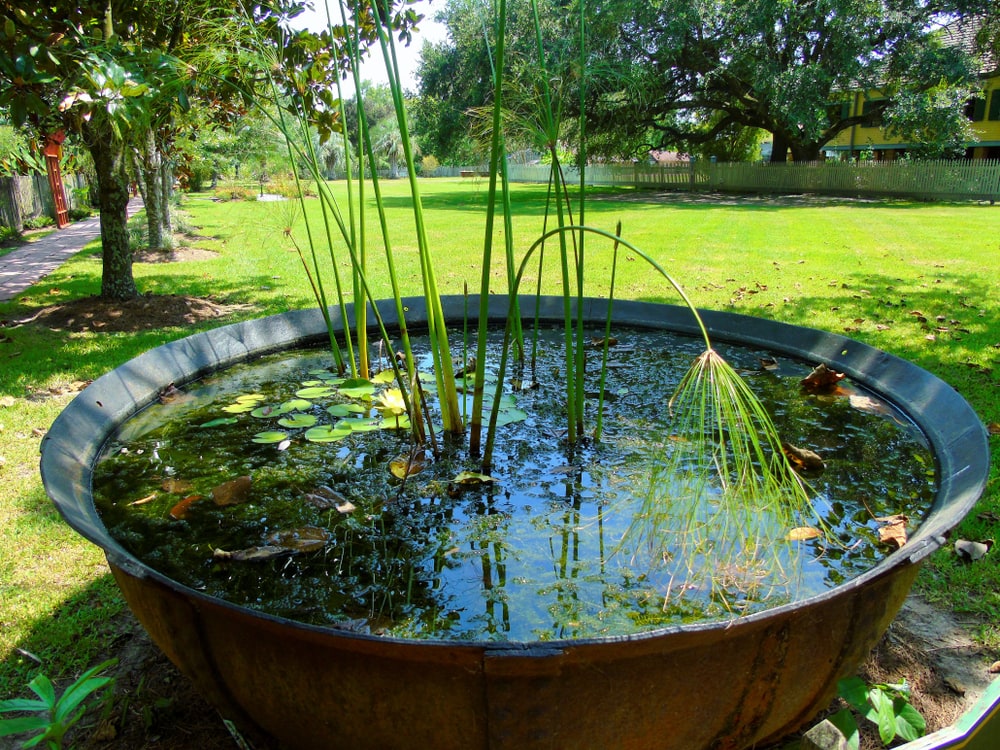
(679, 74)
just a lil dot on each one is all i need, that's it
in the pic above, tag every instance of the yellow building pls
(983, 111)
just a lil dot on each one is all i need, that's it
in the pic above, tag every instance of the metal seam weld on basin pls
(728, 685)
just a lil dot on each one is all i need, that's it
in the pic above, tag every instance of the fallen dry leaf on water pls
(280, 543)
(803, 459)
(408, 465)
(802, 533)
(180, 510)
(233, 492)
(821, 379)
(972, 551)
(893, 530)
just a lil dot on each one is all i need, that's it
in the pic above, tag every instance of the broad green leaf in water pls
(384, 377)
(359, 425)
(240, 407)
(401, 422)
(345, 410)
(357, 388)
(219, 422)
(509, 416)
(471, 477)
(327, 433)
(270, 410)
(316, 391)
(254, 398)
(296, 404)
(271, 436)
(327, 377)
(293, 421)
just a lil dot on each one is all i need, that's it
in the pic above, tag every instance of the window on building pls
(975, 109)
(873, 105)
(995, 105)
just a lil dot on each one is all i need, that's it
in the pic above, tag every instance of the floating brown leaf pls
(821, 379)
(803, 459)
(180, 510)
(251, 554)
(176, 486)
(802, 533)
(233, 492)
(893, 530)
(305, 539)
(173, 395)
(408, 465)
(768, 363)
(324, 497)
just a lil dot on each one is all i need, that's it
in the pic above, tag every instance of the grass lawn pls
(918, 280)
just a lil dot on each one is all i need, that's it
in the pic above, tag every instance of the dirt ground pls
(153, 707)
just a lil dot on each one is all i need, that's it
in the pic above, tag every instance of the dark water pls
(542, 552)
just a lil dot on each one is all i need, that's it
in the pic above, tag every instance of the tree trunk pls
(167, 191)
(805, 152)
(108, 152)
(149, 167)
(779, 149)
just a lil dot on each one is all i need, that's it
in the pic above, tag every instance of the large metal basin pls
(722, 685)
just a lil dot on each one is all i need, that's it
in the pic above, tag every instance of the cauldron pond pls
(729, 685)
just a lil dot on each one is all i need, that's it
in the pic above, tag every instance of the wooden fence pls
(925, 180)
(24, 197)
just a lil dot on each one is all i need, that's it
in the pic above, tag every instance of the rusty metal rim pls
(957, 437)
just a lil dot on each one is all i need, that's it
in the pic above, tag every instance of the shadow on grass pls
(149, 705)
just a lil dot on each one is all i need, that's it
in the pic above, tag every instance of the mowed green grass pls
(918, 280)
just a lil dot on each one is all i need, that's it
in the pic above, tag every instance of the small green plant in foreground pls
(53, 715)
(887, 706)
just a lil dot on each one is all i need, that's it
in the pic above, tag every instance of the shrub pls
(39, 222)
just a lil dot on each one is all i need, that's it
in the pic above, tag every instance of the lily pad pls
(240, 407)
(296, 404)
(219, 422)
(293, 421)
(472, 477)
(510, 416)
(345, 410)
(357, 388)
(327, 433)
(269, 436)
(315, 391)
(359, 425)
(400, 422)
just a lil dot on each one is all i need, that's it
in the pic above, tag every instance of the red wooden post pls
(53, 155)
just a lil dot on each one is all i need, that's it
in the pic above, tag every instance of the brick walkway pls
(21, 268)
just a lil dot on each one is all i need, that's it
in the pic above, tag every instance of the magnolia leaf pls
(268, 437)
(802, 533)
(233, 492)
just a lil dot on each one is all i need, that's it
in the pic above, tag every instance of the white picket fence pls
(926, 180)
